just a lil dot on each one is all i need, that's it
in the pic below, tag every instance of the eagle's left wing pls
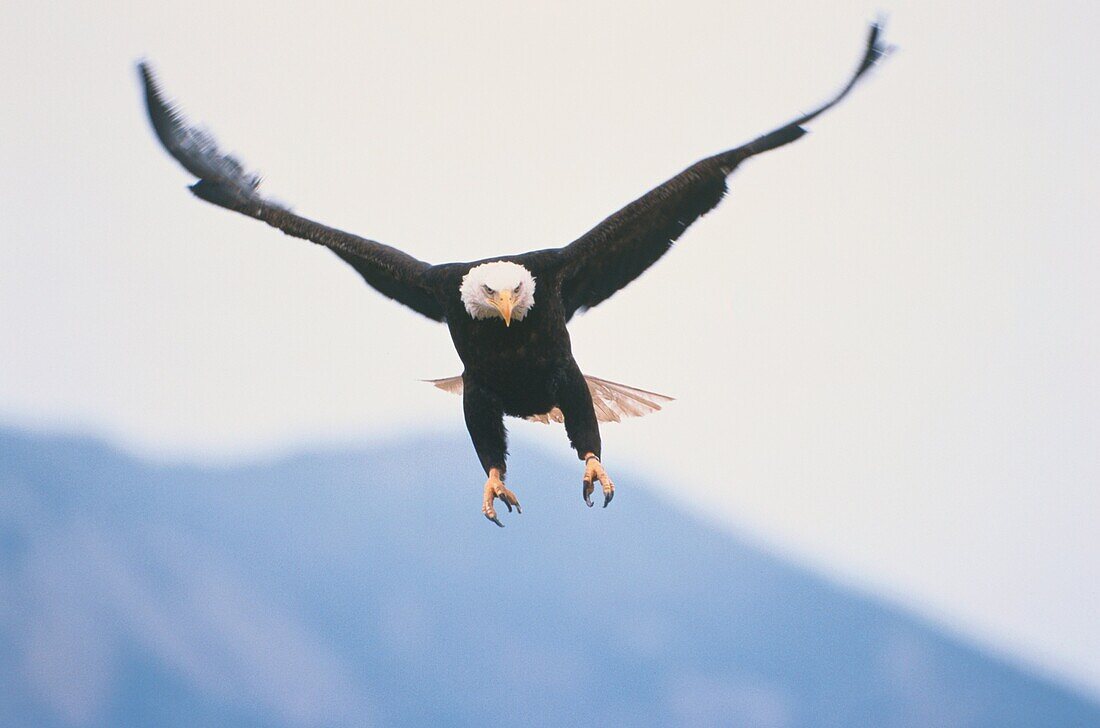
(223, 181)
(623, 246)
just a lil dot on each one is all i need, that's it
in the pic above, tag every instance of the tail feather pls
(611, 400)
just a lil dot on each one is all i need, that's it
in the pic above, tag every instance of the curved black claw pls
(494, 491)
(509, 499)
(593, 473)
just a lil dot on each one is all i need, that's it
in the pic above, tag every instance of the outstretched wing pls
(623, 246)
(223, 181)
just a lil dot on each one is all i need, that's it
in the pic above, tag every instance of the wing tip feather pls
(222, 177)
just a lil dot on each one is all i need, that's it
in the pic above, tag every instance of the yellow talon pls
(594, 471)
(494, 488)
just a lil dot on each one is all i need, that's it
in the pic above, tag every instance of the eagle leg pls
(593, 471)
(494, 488)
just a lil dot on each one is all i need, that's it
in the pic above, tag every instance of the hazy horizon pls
(293, 592)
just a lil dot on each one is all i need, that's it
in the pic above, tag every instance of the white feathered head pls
(499, 289)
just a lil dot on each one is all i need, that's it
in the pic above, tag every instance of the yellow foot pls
(593, 471)
(494, 488)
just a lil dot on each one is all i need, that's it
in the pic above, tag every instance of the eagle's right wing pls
(224, 182)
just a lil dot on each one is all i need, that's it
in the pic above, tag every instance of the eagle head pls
(499, 289)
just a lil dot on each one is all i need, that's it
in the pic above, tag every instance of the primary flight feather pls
(507, 315)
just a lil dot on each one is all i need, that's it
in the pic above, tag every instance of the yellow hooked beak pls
(504, 302)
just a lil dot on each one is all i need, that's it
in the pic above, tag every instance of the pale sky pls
(886, 363)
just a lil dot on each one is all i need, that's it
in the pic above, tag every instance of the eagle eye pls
(516, 289)
(488, 291)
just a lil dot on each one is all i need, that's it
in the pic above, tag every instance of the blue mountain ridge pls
(365, 588)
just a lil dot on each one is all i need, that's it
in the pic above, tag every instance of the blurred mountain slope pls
(358, 588)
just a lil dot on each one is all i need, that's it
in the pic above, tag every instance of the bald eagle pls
(507, 315)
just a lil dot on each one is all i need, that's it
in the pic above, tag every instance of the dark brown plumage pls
(524, 368)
